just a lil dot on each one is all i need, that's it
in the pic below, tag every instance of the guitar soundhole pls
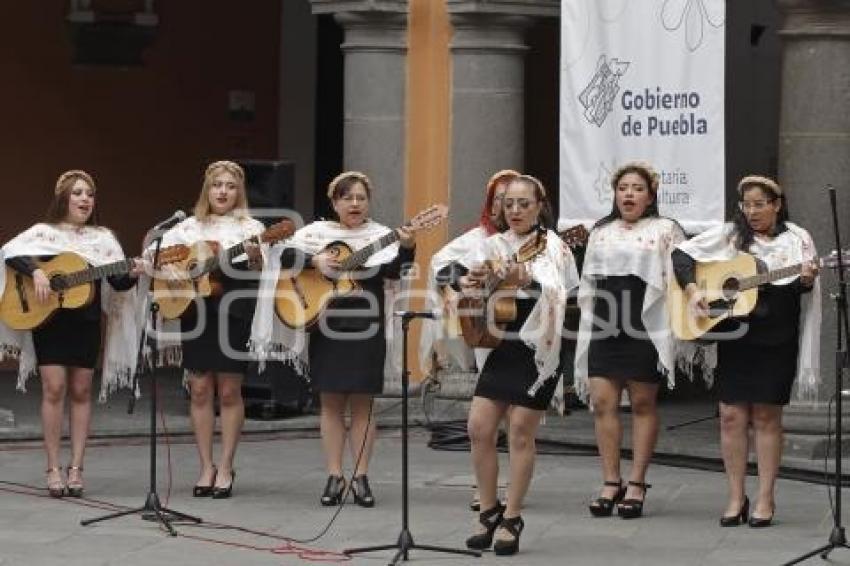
(57, 283)
(731, 286)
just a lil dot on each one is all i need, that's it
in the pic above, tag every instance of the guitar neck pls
(358, 258)
(95, 273)
(762, 278)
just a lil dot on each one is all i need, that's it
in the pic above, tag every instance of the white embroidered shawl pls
(555, 271)
(98, 246)
(643, 249)
(792, 246)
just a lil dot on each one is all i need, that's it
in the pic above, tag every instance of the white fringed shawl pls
(98, 246)
(792, 246)
(555, 271)
(642, 249)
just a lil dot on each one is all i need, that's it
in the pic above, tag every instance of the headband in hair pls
(230, 166)
(73, 173)
(499, 176)
(650, 171)
(760, 181)
(348, 175)
(534, 181)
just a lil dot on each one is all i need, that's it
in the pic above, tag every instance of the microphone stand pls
(838, 536)
(152, 508)
(405, 540)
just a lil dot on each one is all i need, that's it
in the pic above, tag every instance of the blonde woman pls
(214, 370)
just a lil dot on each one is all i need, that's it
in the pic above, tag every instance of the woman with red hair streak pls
(442, 344)
(439, 342)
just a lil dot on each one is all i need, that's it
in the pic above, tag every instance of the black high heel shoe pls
(604, 506)
(514, 526)
(362, 492)
(759, 522)
(490, 520)
(633, 508)
(334, 491)
(205, 490)
(225, 492)
(740, 518)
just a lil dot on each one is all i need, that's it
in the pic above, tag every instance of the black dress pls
(222, 330)
(510, 369)
(760, 366)
(352, 364)
(619, 347)
(71, 337)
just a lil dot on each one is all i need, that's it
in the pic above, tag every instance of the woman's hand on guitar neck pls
(474, 279)
(42, 285)
(697, 304)
(328, 265)
(255, 255)
(808, 273)
(406, 237)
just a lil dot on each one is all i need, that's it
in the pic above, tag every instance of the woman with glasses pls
(624, 341)
(759, 356)
(521, 374)
(348, 347)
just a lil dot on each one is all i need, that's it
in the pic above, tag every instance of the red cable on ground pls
(288, 548)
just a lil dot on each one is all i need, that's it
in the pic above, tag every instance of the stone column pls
(375, 48)
(487, 95)
(814, 151)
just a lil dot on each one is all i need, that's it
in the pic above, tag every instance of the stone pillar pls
(814, 151)
(487, 95)
(375, 49)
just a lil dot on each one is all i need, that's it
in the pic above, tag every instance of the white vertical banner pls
(643, 80)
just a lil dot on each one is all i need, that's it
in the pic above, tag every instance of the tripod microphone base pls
(152, 510)
(405, 544)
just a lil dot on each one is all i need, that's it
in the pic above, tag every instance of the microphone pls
(433, 315)
(172, 220)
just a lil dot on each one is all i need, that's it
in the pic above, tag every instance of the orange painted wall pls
(144, 133)
(428, 109)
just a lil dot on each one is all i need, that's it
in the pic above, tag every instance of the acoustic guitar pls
(302, 298)
(71, 279)
(574, 237)
(731, 290)
(484, 315)
(191, 277)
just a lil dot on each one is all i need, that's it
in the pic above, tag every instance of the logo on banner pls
(598, 96)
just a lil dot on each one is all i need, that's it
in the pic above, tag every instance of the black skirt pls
(617, 354)
(510, 370)
(348, 366)
(70, 338)
(209, 353)
(756, 373)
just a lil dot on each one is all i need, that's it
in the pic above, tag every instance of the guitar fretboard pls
(360, 257)
(95, 273)
(762, 278)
